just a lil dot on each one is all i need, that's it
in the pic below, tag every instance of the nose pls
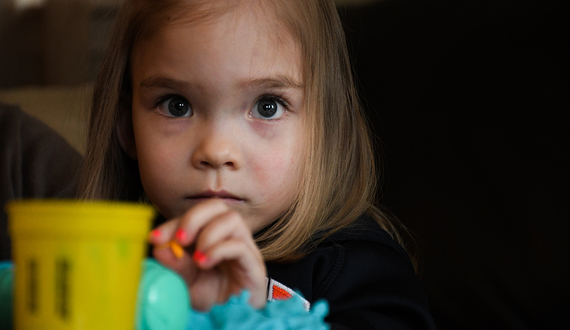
(217, 148)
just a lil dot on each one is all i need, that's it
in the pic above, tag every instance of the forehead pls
(251, 33)
(264, 14)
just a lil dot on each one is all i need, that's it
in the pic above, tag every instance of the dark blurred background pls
(469, 100)
(53, 42)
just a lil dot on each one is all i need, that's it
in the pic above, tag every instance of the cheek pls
(162, 180)
(154, 166)
(152, 173)
(277, 170)
(157, 163)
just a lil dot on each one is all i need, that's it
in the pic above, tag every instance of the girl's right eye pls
(175, 106)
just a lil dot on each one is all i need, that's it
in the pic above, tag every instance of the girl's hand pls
(221, 257)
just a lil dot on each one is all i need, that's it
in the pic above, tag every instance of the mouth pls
(222, 194)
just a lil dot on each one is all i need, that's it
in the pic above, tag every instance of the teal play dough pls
(164, 304)
(238, 314)
(163, 301)
(6, 294)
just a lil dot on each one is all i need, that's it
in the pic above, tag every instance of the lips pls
(222, 194)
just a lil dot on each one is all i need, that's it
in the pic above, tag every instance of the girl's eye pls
(268, 108)
(176, 106)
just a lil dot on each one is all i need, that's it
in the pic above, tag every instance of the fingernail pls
(199, 257)
(155, 233)
(180, 234)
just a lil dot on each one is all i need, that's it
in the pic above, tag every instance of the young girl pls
(238, 120)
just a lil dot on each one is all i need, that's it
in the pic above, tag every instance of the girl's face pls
(218, 113)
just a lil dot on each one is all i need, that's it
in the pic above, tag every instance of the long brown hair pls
(340, 176)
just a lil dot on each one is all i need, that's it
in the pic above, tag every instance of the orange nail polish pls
(180, 234)
(199, 257)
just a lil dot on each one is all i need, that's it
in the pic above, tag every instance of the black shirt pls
(365, 276)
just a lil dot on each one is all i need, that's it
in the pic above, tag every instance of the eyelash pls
(275, 97)
(271, 96)
(165, 97)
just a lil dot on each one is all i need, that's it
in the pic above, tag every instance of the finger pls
(161, 239)
(247, 261)
(184, 266)
(225, 226)
(193, 220)
(164, 233)
(176, 248)
(245, 267)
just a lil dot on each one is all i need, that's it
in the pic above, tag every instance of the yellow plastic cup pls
(77, 264)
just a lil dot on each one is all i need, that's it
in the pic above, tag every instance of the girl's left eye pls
(175, 106)
(268, 108)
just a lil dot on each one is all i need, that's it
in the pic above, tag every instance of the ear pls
(126, 134)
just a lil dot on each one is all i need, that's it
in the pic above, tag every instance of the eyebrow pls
(279, 81)
(163, 82)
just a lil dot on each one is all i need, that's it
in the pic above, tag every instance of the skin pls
(221, 171)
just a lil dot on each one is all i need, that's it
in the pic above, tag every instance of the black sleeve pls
(375, 287)
(368, 284)
(35, 162)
